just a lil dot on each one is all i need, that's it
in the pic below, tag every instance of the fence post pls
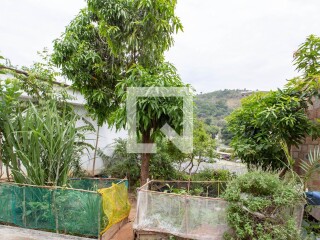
(55, 210)
(99, 216)
(24, 217)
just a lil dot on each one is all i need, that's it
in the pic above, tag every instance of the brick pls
(313, 114)
(295, 155)
(310, 148)
(308, 140)
(294, 149)
(316, 103)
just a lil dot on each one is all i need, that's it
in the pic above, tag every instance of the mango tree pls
(107, 44)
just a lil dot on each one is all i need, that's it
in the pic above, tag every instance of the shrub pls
(212, 174)
(259, 207)
(123, 164)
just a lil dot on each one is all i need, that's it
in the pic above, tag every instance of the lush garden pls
(108, 47)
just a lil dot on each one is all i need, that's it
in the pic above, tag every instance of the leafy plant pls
(261, 207)
(123, 164)
(212, 174)
(263, 121)
(44, 141)
(310, 166)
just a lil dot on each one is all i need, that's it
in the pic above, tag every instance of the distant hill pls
(215, 106)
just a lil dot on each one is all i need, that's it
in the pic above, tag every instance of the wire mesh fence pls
(161, 208)
(93, 184)
(211, 189)
(61, 210)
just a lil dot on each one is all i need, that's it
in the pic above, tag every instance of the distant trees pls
(212, 108)
(226, 135)
(203, 147)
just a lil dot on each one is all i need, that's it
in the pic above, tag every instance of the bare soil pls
(126, 232)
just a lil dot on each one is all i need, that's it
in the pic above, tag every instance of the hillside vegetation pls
(215, 106)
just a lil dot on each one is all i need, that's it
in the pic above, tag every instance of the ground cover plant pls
(261, 206)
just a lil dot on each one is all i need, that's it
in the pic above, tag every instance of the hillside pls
(213, 107)
(218, 104)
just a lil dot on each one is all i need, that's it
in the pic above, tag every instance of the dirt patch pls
(126, 232)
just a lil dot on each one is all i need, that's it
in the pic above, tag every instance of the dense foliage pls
(260, 207)
(40, 142)
(216, 105)
(263, 121)
(109, 37)
(203, 148)
(213, 107)
(113, 45)
(123, 164)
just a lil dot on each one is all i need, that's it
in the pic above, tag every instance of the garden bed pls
(188, 210)
(89, 210)
(160, 208)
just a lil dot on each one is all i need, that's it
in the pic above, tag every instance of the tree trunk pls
(144, 174)
(145, 161)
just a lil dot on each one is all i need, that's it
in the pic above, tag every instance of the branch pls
(27, 75)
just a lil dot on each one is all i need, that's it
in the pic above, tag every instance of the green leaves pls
(45, 141)
(261, 205)
(152, 112)
(307, 58)
(107, 39)
(263, 121)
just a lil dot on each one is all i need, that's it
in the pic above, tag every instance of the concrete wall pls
(106, 137)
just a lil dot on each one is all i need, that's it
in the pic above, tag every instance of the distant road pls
(237, 168)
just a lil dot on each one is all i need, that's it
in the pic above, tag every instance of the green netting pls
(93, 184)
(77, 210)
(58, 210)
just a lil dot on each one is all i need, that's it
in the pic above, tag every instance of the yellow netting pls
(115, 204)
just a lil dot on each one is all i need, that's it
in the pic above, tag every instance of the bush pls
(212, 175)
(122, 164)
(259, 207)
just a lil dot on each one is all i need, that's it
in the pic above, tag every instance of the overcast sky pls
(225, 44)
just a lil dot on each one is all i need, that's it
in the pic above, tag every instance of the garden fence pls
(159, 209)
(65, 210)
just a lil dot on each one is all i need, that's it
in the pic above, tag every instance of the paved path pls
(15, 233)
(238, 168)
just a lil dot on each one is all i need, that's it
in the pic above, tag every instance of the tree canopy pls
(113, 45)
(262, 122)
(109, 37)
(266, 119)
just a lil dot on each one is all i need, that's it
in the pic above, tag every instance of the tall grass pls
(41, 144)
